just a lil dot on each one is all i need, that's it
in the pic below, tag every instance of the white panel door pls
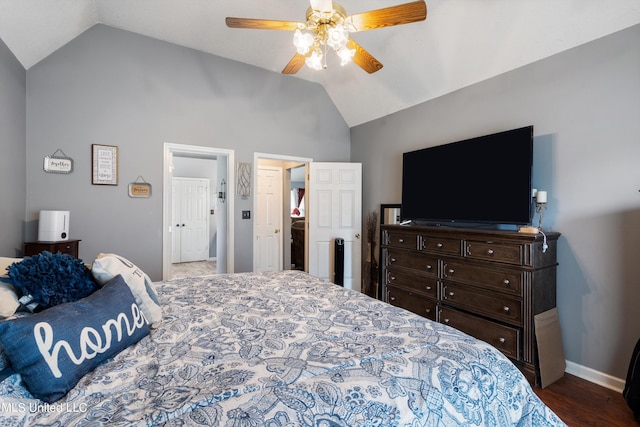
(191, 220)
(267, 252)
(335, 211)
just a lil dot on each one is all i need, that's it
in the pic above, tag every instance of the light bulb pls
(303, 41)
(337, 37)
(345, 55)
(314, 60)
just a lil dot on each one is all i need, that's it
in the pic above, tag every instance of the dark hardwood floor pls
(581, 403)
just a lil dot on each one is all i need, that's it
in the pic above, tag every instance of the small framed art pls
(104, 164)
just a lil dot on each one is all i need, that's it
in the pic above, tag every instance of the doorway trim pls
(198, 152)
(267, 156)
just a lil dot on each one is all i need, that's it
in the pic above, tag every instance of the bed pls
(283, 349)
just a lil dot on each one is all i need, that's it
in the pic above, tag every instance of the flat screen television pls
(479, 180)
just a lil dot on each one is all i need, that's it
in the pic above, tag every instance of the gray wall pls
(585, 108)
(13, 82)
(113, 87)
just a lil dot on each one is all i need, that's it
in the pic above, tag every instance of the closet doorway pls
(212, 164)
(193, 219)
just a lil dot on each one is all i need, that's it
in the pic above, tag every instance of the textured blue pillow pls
(53, 349)
(47, 279)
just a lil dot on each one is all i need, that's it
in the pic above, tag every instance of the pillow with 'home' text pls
(52, 350)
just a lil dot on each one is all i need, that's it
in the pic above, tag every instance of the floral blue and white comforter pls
(285, 349)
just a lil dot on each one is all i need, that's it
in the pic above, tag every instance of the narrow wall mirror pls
(389, 214)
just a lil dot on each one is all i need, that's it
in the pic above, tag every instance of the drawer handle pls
(393, 278)
(451, 294)
(401, 240)
(490, 252)
(506, 309)
(451, 271)
(429, 267)
(502, 340)
(428, 288)
(392, 298)
(439, 245)
(506, 283)
(428, 310)
(446, 320)
(393, 260)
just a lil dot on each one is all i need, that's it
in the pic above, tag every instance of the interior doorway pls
(287, 164)
(222, 160)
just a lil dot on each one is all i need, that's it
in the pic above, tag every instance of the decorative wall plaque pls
(140, 188)
(58, 162)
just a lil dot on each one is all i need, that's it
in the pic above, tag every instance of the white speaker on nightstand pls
(53, 226)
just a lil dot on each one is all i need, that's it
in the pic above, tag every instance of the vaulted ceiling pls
(461, 42)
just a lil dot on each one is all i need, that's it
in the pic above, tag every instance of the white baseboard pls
(605, 380)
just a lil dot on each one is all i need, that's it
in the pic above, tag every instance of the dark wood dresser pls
(70, 247)
(487, 283)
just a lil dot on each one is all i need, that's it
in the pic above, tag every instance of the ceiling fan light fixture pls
(346, 55)
(303, 40)
(337, 37)
(314, 60)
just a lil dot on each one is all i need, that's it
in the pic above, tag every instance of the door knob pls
(276, 230)
(357, 235)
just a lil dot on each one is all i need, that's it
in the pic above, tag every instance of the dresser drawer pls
(502, 337)
(441, 245)
(412, 301)
(502, 280)
(70, 248)
(496, 306)
(424, 284)
(398, 239)
(491, 251)
(417, 261)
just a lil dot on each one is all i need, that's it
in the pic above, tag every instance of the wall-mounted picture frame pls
(104, 164)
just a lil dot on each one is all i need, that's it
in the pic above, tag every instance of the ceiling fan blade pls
(295, 64)
(364, 58)
(322, 5)
(390, 16)
(260, 24)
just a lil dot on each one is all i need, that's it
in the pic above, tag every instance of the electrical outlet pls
(246, 214)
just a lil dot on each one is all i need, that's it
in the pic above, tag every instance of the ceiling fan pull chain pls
(324, 66)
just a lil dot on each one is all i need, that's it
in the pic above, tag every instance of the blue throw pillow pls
(53, 349)
(47, 279)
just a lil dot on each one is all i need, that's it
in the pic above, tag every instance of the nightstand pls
(66, 247)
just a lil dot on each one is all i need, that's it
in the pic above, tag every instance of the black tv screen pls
(480, 180)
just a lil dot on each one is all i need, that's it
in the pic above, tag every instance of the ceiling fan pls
(328, 27)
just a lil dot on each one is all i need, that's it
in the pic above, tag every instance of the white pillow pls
(108, 266)
(8, 297)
